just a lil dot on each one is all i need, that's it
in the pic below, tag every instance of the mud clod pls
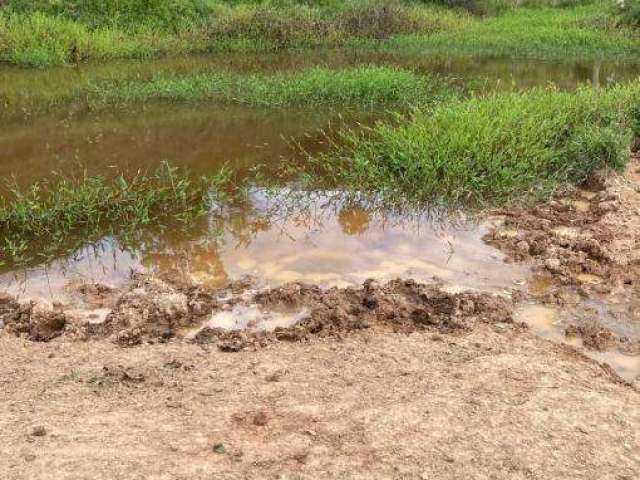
(151, 310)
(38, 321)
(594, 335)
(38, 431)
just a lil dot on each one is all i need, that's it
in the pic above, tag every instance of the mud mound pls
(400, 306)
(38, 321)
(151, 310)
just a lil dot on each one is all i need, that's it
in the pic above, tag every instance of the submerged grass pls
(495, 149)
(62, 215)
(360, 87)
(41, 32)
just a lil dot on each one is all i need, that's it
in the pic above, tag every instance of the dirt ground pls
(484, 404)
(384, 381)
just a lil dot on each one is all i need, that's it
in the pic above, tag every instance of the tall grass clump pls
(52, 217)
(579, 32)
(488, 150)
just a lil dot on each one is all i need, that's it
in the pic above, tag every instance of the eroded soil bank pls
(163, 379)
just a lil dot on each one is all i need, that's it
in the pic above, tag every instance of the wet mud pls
(151, 310)
(584, 245)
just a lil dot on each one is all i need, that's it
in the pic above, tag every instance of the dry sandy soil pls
(485, 404)
(392, 381)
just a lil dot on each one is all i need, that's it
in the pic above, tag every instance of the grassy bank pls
(40, 33)
(51, 33)
(53, 217)
(357, 87)
(486, 150)
(578, 32)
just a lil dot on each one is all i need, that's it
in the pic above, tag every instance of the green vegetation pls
(362, 87)
(48, 33)
(358, 87)
(629, 12)
(54, 217)
(54, 32)
(582, 32)
(487, 150)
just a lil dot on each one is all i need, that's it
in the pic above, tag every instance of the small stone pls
(500, 327)
(522, 246)
(260, 419)
(167, 334)
(552, 264)
(219, 448)
(39, 431)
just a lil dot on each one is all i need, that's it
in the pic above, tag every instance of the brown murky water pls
(324, 243)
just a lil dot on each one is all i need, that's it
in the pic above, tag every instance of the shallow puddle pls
(324, 243)
(550, 322)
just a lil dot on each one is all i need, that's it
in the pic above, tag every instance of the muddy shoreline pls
(396, 379)
(582, 246)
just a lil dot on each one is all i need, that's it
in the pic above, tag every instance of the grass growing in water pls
(487, 150)
(360, 87)
(51, 218)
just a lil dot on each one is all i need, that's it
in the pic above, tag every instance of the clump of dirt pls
(399, 305)
(38, 321)
(153, 310)
(588, 237)
(594, 335)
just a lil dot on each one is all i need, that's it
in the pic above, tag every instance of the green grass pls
(582, 32)
(66, 213)
(44, 32)
(362, 87)
(52, 33)
(359, 87)
(494, 149)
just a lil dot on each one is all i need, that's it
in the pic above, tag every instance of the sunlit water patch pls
(325, 242)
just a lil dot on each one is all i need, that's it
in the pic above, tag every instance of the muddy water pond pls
(324, 242)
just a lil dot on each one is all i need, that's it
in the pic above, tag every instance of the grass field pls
(41, 32)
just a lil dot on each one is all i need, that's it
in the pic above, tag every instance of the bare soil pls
(480, 404)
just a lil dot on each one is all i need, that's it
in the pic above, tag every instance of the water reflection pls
(325, 241)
